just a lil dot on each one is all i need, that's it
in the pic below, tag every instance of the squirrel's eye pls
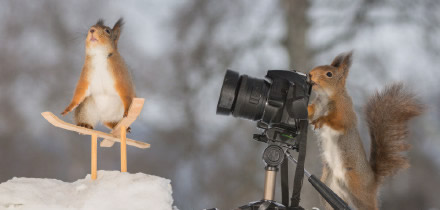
(108, 31)
(329, 74)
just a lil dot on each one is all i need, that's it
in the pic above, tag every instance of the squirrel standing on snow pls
(346, 169)
(105, 89)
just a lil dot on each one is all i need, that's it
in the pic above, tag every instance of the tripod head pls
(280, 135)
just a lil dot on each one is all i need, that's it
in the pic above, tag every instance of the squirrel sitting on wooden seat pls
(105, 89)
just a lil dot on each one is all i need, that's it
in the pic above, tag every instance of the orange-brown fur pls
(106, 39)
(110, 125)
(387, 114)
(311, 110)
(80, 91)
(123, 84)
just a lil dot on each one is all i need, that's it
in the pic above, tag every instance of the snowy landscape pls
(112, 190)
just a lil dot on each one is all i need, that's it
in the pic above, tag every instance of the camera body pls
(277, 102)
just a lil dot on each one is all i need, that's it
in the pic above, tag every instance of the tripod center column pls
(273, 156)
(269, 183)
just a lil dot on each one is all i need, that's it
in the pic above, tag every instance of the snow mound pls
(111, 190)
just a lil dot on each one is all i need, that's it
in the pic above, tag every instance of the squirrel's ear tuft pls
(117, 29)
(118, 25)
(343, 62)
(100, 22)
(337, 61)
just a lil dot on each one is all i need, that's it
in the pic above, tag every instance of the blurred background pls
(178, 52)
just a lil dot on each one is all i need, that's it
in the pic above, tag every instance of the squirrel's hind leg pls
(86, 114)
(112, 125)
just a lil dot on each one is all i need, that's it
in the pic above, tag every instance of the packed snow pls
(111, 190)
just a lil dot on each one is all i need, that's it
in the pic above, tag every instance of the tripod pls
(273, 156)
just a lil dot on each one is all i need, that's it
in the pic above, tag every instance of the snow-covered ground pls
(111, 190)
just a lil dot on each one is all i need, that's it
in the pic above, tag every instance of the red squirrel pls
(346, 169)
(105, 89)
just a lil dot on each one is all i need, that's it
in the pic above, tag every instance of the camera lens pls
(251, 98)
(243, 96)
(228, 93)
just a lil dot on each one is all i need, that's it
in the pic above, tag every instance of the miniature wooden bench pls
(118, 134)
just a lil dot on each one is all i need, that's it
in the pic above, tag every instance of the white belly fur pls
(102, 89)
(332, 156)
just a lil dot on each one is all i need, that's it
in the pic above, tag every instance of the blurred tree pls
(296, 43)
(296, 39)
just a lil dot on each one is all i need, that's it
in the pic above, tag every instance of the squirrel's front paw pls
(69, 108)
(310, 111)
(65, 111)
(318, 123)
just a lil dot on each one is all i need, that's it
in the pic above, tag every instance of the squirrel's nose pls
(92, 30)
(309, 79)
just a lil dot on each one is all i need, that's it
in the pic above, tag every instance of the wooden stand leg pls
(123, 149)
(94, 155)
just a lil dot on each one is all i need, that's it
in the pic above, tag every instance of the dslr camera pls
(278, 102)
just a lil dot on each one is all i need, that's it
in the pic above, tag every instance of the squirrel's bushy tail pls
(387, 115)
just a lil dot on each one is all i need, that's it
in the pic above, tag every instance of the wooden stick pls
(54, 120)
(94, 157)
(123, 149)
